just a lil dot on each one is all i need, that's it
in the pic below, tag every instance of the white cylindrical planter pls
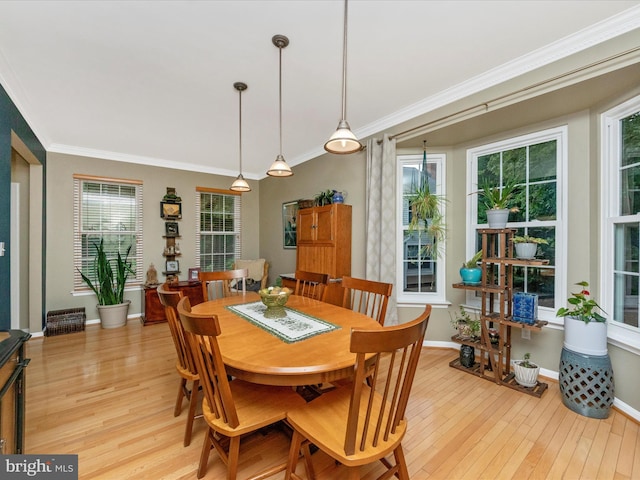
(588, 338)
(497, 218)
(114, 316)
(526, 251)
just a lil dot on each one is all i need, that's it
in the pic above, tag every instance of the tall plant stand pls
(496, 322)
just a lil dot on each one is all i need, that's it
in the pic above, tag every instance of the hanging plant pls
(426, 217)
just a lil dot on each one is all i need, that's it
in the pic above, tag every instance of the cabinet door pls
(325, 225)
(306, 226)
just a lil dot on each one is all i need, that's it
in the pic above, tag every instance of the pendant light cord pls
(240, 127)
(344, 65)
(280, 95)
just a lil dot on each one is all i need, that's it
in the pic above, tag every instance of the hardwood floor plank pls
(108, 396)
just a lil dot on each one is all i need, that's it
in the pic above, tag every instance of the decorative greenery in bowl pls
(582, 307)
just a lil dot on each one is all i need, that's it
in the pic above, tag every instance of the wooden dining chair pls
(366, 296)
(230, 408)
(361, 423)
(223, 283)
(311, 284)
(185, 364)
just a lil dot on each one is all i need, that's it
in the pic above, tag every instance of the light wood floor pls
(108, 396)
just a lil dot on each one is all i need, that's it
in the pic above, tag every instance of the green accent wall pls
(12, 120)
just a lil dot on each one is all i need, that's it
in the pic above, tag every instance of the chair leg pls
(401, 463)
(204, 454)
(193, 403)
(233, 458)
(183, 386)
(308, 464)
(294, 453)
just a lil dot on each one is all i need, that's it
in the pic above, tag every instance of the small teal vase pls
(471, 276)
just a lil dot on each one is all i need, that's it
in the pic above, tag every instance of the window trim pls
(619, 334)
(79, 286)
(414, 298)
(561, 135)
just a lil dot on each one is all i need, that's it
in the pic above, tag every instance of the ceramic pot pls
(497, 218)
(467, 356)
(526, 251)
(114, 316)
(471, 276)
(337, 197)
(527, 377)
(587, 338)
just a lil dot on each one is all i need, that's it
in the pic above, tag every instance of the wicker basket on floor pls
(65, 321)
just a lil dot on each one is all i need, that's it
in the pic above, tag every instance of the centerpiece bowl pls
(275, 299)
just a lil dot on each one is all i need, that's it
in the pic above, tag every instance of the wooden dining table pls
(255, 355)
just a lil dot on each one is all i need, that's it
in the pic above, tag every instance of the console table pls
(153, 311)
(12, 374)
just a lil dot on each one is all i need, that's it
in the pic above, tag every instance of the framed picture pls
(173, 266)
(170, 210)
(289, 213)
(193, 274)
(171, 229)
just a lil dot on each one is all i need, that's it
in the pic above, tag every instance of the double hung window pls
(420, 265)
(107, 210)
(533, 162)
(218, 229)
(620, 170)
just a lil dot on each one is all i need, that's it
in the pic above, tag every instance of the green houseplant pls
(470, 273)
(525, 371)
(467, 326)
(527, 246)
(497, 202)
(426, 216)
(109, 286)
(585, 329)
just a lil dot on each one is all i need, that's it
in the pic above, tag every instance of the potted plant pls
(467, 327)
(527, 246)
(470, 272)
(426, 217)
(526, 372)
(109, 286)
(585, 330)
(497, 201)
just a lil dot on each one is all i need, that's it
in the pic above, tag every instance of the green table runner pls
(294, 327)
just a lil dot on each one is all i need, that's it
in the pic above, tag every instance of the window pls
(621, 221)
(533, 162)
(108, 210)
(420, 269)
(218, 229)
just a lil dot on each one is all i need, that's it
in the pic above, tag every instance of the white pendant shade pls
(343, 140)
(279, 168)
(240, 185)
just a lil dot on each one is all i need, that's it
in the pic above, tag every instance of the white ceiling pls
(152, 81)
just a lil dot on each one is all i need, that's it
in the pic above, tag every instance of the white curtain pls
(381, 217)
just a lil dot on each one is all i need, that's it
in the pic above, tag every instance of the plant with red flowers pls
(583, 306)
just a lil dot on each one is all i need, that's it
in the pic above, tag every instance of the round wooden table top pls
(255, 355)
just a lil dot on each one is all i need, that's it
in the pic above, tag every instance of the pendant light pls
(343, 140)
(279, 168)
(240, 184)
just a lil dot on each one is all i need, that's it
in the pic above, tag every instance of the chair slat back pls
(202, 335)
(311, 284)
(223, 283)
(169, 300)
(367, 297)
(380, 397)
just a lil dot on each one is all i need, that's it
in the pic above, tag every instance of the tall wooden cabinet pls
(324, 244)
(496, 293)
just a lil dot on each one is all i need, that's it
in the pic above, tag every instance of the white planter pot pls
(527, 377)
(497, 218)
(114, 316)
(587, 338)
(526, 251)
